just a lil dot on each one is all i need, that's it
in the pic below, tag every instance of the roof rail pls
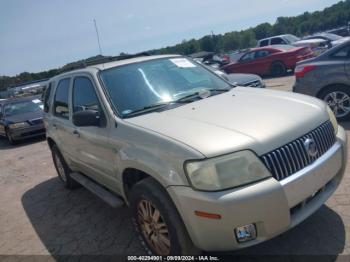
(85, 63)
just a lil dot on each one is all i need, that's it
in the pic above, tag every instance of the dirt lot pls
(39, 217)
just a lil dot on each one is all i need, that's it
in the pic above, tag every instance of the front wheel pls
(338, 99)
(159, 225)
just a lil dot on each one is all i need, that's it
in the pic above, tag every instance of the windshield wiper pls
(152, 107)
(197, 94)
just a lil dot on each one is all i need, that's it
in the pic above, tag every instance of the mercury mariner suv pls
(203, 165)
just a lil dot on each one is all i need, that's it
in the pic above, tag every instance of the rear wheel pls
(157, 221)
(62, 169)
(278, 69)
(338, 99)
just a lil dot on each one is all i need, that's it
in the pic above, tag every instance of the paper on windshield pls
(182, 62)
(36, 101)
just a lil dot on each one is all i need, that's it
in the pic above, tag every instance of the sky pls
(40, 35)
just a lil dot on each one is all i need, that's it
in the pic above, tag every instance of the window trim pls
(102, 107)
(54, 99)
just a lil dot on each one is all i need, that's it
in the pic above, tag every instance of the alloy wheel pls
(339, 102)
(153, 227)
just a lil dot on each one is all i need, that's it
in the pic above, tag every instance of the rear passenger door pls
(60, 123)
(92, 149)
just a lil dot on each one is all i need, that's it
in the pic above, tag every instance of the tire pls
(278, 69)
(149, 195)
(10, 139)
(338, 99)
(62, 169)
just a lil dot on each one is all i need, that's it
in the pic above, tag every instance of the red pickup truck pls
(269, 60)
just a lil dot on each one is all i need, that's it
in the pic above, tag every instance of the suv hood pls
(243, 118)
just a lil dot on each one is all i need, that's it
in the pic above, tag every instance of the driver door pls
(93, 152)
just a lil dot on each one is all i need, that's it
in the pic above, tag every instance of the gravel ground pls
(39, 217)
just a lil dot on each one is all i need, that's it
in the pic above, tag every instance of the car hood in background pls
(25, 117)
(241, 79)
(244, 118)
(308, 42)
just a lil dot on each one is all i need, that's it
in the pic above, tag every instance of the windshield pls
(139, 85)
(292, 38)
(17, 108)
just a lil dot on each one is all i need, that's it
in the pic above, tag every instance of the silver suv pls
(203, 165)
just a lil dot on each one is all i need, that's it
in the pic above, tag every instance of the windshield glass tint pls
(135, 86)
(23, 107)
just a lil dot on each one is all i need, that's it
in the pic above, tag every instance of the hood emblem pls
(310, 147)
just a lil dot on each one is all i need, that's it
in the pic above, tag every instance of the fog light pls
(245, 233)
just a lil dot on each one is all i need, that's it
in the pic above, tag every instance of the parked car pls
(203, 165)
(317, 45)
(271, 60)
(327, 77)
(341, 31)
(332, 39)
(21, 118)
(247, 80)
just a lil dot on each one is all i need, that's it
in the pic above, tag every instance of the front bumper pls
(27, 132)
(274, 207)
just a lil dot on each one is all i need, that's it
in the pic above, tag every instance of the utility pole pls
(98, 37)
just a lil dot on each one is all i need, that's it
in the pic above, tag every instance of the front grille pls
(291, 158)
(255, 83)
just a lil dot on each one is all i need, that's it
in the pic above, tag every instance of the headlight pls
(333, 119)
(226, 172)
(18, 125)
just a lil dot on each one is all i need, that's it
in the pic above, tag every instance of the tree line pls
(305, 24)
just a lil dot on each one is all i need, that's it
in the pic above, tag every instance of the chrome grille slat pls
(292, 157)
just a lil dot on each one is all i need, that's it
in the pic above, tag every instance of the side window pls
(47, 97)
(84, 95)
(277, 41)
(85, 98)
(61, 108)
(342, 53)
(261, 53)
(248, 57)
(264, 43)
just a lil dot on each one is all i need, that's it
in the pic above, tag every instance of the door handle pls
(76, 133)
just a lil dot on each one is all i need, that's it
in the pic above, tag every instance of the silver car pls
(203, 165)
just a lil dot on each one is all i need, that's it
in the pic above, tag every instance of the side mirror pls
(86, 118)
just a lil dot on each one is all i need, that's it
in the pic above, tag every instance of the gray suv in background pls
(203, 165)
(328, 78)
